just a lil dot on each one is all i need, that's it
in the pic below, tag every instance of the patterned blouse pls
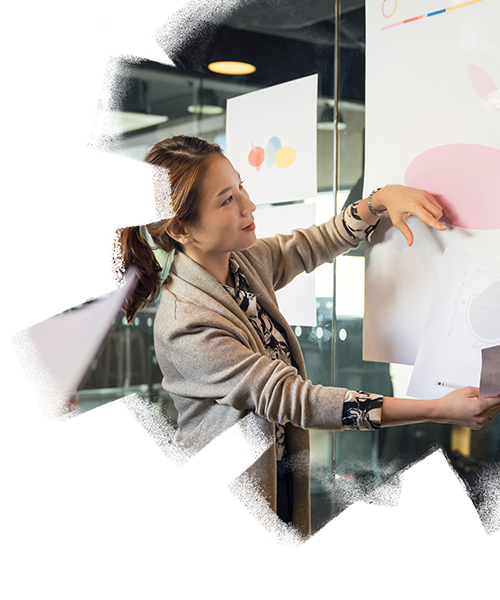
(361, 410)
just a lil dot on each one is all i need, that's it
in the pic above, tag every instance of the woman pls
(227, 354)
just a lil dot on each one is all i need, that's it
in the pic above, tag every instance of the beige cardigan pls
(217, 370)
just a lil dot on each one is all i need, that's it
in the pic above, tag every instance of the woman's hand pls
(401, 202)
(464, 407)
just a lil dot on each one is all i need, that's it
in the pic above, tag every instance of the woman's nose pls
(247, 206)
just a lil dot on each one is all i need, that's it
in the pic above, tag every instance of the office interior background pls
(146, 99)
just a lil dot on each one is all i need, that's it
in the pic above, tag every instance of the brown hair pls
(183, 157)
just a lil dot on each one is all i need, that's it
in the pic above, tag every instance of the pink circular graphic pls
(389, 3)
(484, 86)
(465, 179)
(256, 156)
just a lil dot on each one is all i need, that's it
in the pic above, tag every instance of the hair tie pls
(164, 259)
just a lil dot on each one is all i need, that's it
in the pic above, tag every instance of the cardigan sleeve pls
(203, 361)
(362, 411)
(305, 249)
(354, 224)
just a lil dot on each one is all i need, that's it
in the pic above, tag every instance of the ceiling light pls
(231, 67)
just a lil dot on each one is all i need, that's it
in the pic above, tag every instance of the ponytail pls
(135, 250)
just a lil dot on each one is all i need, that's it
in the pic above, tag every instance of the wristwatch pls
(370, 207)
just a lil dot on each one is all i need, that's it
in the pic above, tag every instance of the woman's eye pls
(228, 200)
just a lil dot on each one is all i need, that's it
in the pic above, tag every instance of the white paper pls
(432, 122)
(63, 346)
(464, 317)
(275, 129)
(490, 372)
(297, 300)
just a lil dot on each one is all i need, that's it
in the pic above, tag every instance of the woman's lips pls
(250, 227)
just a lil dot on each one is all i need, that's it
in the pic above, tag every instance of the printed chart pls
(389, 8)
(464, 318)
(482, 310)
(432, 122)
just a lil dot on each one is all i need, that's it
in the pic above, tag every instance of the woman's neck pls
(218, 266)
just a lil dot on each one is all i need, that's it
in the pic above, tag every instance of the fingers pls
(425, 218)
(428, 210)
(434, 207)
(430, 219)
(489, 408)
(402, 201)
(405, 230)
(492, 403)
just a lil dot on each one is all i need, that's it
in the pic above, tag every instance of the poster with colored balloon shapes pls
(432, 122)
(271, 140)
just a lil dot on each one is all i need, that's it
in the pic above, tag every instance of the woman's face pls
(225, 221)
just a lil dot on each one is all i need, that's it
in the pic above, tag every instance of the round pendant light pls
(231, 67)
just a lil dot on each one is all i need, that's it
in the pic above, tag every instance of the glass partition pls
(365, 460)
(159, 101)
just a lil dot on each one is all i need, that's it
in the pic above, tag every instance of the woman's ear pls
(177, 231)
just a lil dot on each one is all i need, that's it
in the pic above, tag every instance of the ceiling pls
(284, 39)
(309, 21)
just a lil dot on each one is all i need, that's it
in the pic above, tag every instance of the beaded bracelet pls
(370, 207)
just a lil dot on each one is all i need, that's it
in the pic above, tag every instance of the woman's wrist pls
(376, 212)
(368, 215)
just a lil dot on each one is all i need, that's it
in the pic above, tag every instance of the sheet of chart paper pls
(297, 300)
(432, 122)
(58, 351)
(464, 318)
(490, 372)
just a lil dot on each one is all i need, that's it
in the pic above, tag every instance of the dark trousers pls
(284, 504)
